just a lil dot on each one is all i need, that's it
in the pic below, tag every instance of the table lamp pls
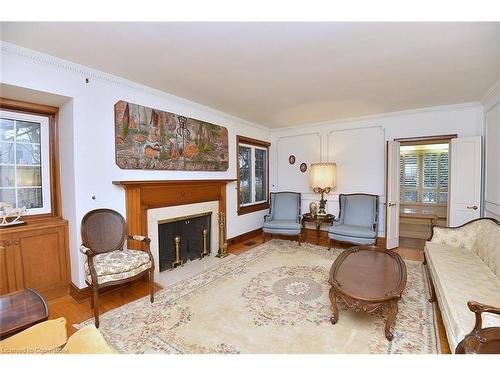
(323, 180)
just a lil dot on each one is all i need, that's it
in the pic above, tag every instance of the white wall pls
(358, 148)
(87, 138)
(491, 103)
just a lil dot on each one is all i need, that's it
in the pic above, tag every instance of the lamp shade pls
(323, 175)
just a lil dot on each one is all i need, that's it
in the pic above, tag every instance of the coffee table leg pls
(393, 311)
(333, 300)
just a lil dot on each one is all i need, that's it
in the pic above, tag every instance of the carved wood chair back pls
(103, 230)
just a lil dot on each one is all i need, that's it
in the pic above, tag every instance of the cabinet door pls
(43, 259)
(4, 279)
(10, 268)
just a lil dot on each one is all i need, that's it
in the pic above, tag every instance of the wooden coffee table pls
(367, 278)
(21, 310)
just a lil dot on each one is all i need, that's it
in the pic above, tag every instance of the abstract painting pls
(147, 138)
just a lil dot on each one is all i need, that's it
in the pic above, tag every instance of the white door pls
(464, 202)
(392, 196)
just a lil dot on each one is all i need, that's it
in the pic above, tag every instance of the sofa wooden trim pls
(479, 336)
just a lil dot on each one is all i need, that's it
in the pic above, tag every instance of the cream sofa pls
(464, 265)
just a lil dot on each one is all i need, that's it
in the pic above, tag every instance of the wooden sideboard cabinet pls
(35, 256)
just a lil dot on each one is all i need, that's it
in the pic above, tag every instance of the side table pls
(21, 310)
(317, 220)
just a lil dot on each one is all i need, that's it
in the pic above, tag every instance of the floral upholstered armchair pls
(108, 263)
(284, 215)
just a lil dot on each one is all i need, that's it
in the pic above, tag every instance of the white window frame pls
(252, 173)
(45, 158)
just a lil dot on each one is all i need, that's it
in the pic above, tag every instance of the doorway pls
(430, 181)
(423, 186)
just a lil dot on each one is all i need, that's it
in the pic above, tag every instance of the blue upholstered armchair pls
(358, 220)
(284, 215)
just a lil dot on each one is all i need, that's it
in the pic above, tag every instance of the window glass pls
(245, 175)
(260, 175)
(24, 161)
(253, 181)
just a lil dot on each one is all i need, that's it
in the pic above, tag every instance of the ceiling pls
(285, 74)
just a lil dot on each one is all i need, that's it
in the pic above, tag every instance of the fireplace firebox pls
(183, 238)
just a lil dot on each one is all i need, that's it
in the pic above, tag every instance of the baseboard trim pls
(244, 236)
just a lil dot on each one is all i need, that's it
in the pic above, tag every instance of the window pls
(253, 166)
(424, 174)
(24, 161)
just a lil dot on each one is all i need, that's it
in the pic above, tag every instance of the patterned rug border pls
(213, 274)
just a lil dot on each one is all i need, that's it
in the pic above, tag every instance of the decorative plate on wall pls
(291, 159)
(303, 167)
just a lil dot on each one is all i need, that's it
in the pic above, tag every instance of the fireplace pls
(150, 202)
(183, 238)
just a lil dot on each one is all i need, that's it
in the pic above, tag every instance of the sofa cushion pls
(44, 337)
(487, 245)
(352, 231)
(87, 340)
(460, 276)
(118, 265)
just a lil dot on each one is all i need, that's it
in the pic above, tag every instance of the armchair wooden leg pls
(95, 296)
(152, 285)
(298, 239)
(329, 244)
(263, 237)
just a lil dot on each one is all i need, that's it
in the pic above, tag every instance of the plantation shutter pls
(430, 177)
(443, 177)
(409, 176)
(424, 177)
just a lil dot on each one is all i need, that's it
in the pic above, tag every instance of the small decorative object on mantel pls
(147, 138)
(291, 159)
(9, 215)
(313, 209)
(303, 167)
(323, 180)
(222, 244)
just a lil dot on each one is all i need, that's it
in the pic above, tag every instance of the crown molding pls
(492, 96)
(66, 66)
(380, 115)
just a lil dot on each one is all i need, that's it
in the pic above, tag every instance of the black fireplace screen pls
(190, 231)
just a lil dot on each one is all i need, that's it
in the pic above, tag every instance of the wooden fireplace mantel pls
(144, 195)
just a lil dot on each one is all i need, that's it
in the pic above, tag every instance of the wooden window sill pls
(253, 208)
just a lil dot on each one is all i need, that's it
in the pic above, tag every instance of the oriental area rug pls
(271, 299)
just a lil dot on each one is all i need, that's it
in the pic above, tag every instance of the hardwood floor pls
(75, 312)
